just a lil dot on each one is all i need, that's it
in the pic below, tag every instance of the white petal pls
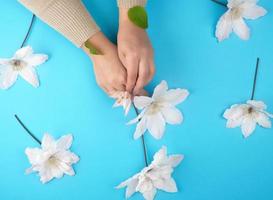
(224, 27)
(67, 157)
(140, 128)
(149, 195)
(65, 142)
(48, 142)
(23, 52)
(160, 89)
(34, 155)
(4, 61)
(172, 115)
(260, 105)
(252, 11)
(248, 126)
(175, 160)
(70, 172)
(160, 155)
(234, 112)
(29, 74)
(241, 29)
(137, 119)
(36, 59)
(234, 123)
(167, 185)
(156, 125)
(174, 96)
(142, 101)
(263, 120)
(131, 188)
(7, 77)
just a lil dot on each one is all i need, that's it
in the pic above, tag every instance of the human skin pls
(135, 52)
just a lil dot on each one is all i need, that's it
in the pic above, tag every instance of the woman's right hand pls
(109, 71)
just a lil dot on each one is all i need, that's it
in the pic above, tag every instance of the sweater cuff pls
(131, 3)
(68, 17)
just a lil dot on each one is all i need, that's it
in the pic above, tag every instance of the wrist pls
(100, 42)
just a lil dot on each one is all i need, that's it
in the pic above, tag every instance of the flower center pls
(250, 110)
(236, 13)
(154, 108)
(17, 65)
(53, 160)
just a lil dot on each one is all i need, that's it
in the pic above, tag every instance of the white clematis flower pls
(158, 110)
(124, 99)
(23, 63)
(247, 116)
(54, 159)
(156, 176)
(233, 19)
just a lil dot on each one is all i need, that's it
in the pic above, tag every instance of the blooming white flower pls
(156, 176)
(23, 63)
(124, 99)
(54, 159)
(233, 19)
(247, 116)
(158, 109)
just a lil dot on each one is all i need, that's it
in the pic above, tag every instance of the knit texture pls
(131, 3)
(68, 17)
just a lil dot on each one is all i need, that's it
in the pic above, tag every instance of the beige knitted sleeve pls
(68, 17)
(131, 3)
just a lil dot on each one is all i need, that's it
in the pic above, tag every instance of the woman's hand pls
(109, 71)
(135, 52)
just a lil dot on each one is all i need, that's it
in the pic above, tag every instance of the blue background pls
(219, 163)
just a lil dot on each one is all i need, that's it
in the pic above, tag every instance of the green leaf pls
(138, 16)
(92, 49)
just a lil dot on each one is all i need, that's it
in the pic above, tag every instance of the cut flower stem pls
(220, 3)
(29, 30)
(255, 78)
(143, 141)
(27, 130)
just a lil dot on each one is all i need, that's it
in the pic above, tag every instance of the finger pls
(143, 76)
(131, 65)
(152, 70)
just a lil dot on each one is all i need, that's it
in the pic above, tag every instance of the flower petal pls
(4, 61)
(140, 128)
(174, 96)
(34, 155)
(160, 89)
(168, 185)
(175, 160)
(142, 101)
(240, 28)
(29, 74)
(7, 77)
(253, 11)
(48, 142)
(36, 59)
(131, 188)
(248, 126)
(156, 125)
(224, 27)
(234, 123)
(235, 111)
(260, 105)
(150, 194)
(172, 115)
(65, 142)
(23, 52)
(263, 120)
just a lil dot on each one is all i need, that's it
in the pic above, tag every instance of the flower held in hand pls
(156, 176)
(247, 116)
(233, 19)
(54, 159)
(23, 63)
(158, 109)
(124, 99)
